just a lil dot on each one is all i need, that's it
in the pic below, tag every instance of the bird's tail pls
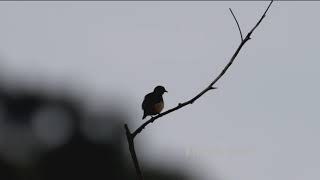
(144, 115)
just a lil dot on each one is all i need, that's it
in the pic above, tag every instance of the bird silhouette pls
(153, 102)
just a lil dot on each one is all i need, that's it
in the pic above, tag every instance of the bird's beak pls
(165, 91)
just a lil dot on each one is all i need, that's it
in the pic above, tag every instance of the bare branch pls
(180, 105)
(133, 152)
(131, 136)
(260, 20)
(237, 24)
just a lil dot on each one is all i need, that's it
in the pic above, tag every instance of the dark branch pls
(260, 20)
(237, 24)
(180, 105)
(131, 136)
(133, 152)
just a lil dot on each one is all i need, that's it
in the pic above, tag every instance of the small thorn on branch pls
(210, 88)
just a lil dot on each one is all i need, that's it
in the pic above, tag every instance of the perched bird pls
(153, 102)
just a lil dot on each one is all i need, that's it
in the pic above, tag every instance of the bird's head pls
(159, 90)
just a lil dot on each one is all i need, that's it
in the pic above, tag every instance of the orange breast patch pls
(158, 107)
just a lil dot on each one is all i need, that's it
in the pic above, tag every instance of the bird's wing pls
(147, 102)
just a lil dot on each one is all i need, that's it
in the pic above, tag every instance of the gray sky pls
(261, 123)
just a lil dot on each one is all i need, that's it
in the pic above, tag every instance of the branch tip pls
(234, 17)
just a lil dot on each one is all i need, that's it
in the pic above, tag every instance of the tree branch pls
(210, 87)
(237, 24)
(133, 152)
(131, 136)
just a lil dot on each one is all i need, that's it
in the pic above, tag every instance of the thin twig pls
(237, 24)
(131, 136)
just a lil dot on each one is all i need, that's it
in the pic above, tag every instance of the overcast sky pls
(261, 124)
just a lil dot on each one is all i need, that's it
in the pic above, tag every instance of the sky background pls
(263, 121)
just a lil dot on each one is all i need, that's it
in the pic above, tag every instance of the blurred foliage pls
(45, 137)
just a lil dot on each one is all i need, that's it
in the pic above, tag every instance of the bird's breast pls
(158, 107)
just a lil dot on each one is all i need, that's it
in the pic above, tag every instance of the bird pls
(153, 102)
